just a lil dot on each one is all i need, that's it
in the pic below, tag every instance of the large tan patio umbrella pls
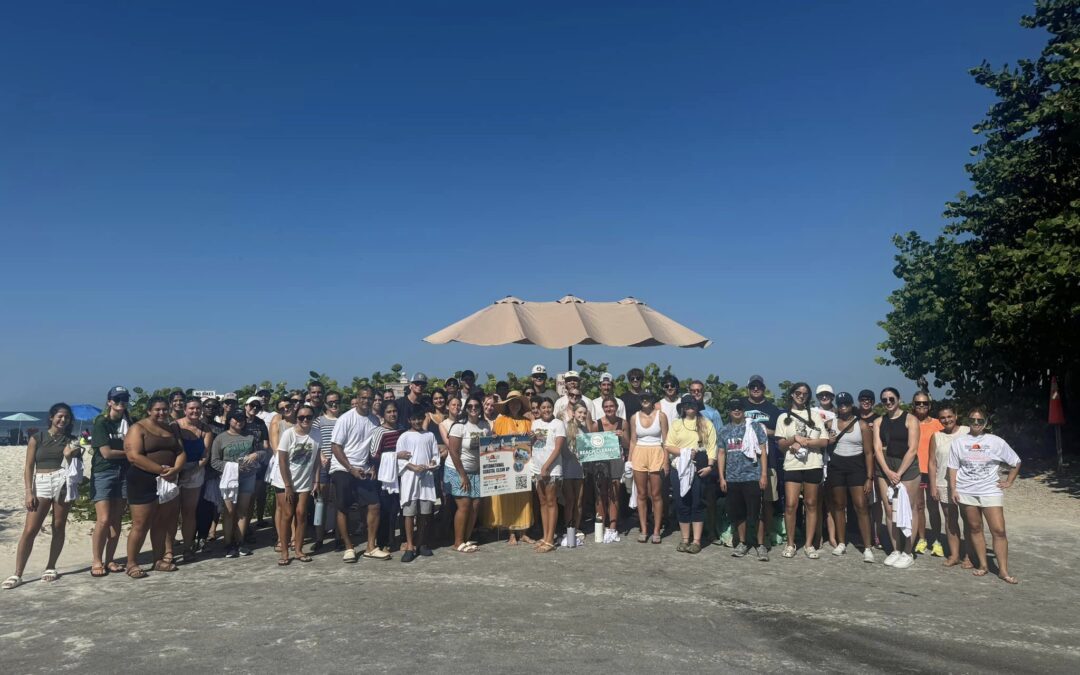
(568, 322)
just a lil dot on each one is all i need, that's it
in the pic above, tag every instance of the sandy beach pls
(623, 606)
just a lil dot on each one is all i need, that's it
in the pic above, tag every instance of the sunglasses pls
(295, 401)
(634, 379)
(922, 404)
(333, 404)
(800, 394)
(888, 399)
(304, 418)
(472, 406)
(670, 386)
(254, 406)
(825, 395)
(976, 421)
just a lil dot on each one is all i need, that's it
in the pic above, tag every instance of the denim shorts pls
(246, 484)
(453, 479)
(109, 483)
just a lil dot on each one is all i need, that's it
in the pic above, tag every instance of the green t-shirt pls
(107, 433)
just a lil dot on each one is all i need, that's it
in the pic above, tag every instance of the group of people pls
(204, 467)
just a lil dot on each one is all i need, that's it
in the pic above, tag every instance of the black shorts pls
(141, 486)
(349, 490)
(846, 472)
(894, 464)
(811, 476)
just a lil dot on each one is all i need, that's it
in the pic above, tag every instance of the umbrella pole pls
(570, 358)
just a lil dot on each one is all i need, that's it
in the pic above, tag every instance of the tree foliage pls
(992, 305)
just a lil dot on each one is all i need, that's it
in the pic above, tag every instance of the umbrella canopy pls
(20, 417)
(84, 411)
(568, 322)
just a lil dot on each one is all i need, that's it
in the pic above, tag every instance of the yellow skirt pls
(512, 511)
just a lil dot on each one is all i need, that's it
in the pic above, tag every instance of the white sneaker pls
(607, 536)
(580, 538)
(904, 561)
(891, 559)
(562, 542)
(840, 549)
(868, 556)
(615, 538)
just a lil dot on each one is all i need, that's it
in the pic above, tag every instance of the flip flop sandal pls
(49, 576)
(980, 572)
(282, 562)
(643, 539)
(656, 539)
(12, 582)
(1009, 579)
(136, 573)
(115, 567)
(303, 557)
(98, 571)
(544, 547)
(165, 566)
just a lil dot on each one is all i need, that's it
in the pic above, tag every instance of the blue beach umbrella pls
(85, 411)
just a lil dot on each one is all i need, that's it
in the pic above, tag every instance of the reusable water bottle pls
(320, 510)
(598, 530)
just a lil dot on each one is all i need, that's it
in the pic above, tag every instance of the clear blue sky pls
(209, 194)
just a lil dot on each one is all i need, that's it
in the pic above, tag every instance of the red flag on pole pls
(1057, 413)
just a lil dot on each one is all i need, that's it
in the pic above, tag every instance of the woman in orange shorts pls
(648, 427)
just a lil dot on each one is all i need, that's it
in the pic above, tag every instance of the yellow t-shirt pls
(789, 426)
(684, 434)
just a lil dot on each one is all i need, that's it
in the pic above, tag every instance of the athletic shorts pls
(421, 506)
(192, 477)
(51, 485)
(808, 476)
(924, 481)
(141, 486)
(350, 490)
(109, 483)
(894, 465)
(984, 501)
(846, 472)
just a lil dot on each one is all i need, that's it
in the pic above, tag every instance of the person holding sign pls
(512, 511)
(417, 476)
(606, 474)
(462, 470)
(549, 438)
(691, 442)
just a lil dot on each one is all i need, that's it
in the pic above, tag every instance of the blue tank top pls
(194, 449)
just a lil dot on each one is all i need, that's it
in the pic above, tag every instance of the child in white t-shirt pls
(417, 483)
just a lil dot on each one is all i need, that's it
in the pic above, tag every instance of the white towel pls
(630, 483)
(74, 477)
(684, 467)
(750, 446)
(273, 470)
(901, 508)
(230, 482)
(388, 472)
(167, 490)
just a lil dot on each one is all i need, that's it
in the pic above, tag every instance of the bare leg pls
(952, 532)
(461, 520)
(102, 531)
(641, 482)
(59, 531)
(973, 515)
(373, 527)
(657, 500)
(409, 545)
(141, 516)
(995, 520)
(116, 515)
(933, 529)
(228, 523)
(862, 514)
(284, 512)
(243, 508)
(791, 509)
(299, 522)
(189, 503)
(913, 490)
(838, 512)
(883, 492)
(162, 527)
(813, 515)
(34, 520)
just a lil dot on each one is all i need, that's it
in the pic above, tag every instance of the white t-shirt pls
(351, 432)
(977, 460)
(941, 444)
(470, 435)
(669, 408)
(789, 425)
(562, 406)
(598, 408)
(267, 416)
(828, 416)
(544, 446)
(302, 452)
(425, 452)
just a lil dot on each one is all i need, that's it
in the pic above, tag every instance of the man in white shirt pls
(607, 389)
(354, 476)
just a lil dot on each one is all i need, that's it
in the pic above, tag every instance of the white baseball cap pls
(571, 375)
(824, 389)
(607, 377)
(539, 370)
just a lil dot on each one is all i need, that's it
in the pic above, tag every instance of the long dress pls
(512, 511)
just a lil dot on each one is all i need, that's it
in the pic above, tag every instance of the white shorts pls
(52, 485)
(192, 477)
(984, 501)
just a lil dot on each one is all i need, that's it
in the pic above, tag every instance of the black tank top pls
(894, 435)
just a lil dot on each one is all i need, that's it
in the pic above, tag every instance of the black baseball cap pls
(119, 393)
(647, 394)
(866, 393)
(755, 379)
(264, 391)
(844, 398)
(237, 415)
(735, 404)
